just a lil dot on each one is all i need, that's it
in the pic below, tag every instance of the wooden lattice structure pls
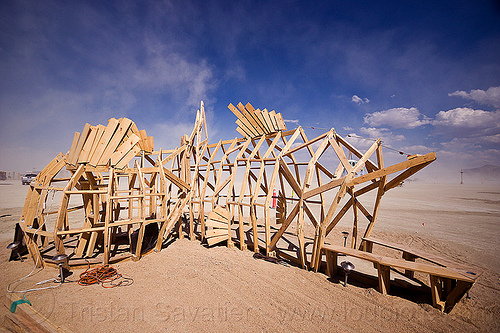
(126, 185)
(133, 197)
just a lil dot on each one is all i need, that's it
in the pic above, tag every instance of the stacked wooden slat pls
(255, 122)
(115, 144)
(281, 209)
(217, 226)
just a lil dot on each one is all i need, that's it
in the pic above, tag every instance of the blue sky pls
(422, 75)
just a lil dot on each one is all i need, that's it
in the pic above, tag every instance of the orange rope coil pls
(104, 274)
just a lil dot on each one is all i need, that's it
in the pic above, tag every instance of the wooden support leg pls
(456, 294)
(367, 246)
(384, 279)
(436, 290)
(201, 218)
(33, 250)
(140, 238)
(243, 245)
(191, 221)
(254, 230)
(331, 263)
(302, 248)
(316, 261)
(409, 257)
(448, 285)
(315, 248)
(267, 221)
(92, 241)
(181, 234)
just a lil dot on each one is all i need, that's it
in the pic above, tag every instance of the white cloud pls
(468, 118)
(383, 133)
(492, 138)
(461, 145)
(347, 128)
(397, 118)
(293, 121)
(488, 97)
(417, 149)
(368, 135)
(358, 100)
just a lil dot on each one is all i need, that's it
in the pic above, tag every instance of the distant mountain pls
(484, 173)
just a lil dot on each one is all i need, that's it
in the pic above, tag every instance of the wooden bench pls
(447, 286)
(411, 254)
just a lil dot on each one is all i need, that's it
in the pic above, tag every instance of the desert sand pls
(188, 287)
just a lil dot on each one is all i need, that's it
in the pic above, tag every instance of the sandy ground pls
(187, 287)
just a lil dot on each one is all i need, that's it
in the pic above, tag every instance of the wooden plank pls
(384, 279)
(331, 263)
(256, 113)
(456, 294)
(281, 122)
(436, 291)
(272, 116)
(251, 120)
(100, 131)
(215, 240)
(341, 155)
(215, 224)
(245, 123)
(224, 213)
(216, 217)
(284, 226)
(396, 181)
(150, 144)
(242, 132)
(216, 233)
(128, 157)
(307, 143)
(290, 178)
(144, 137)
(72, 150)
(27, 319)
(251, 111)
(249, 130)
(103, 142)
(136, 131)
(435, 259)
(267, 119)
(370, 166)
(323, 188)
(425, 268)
(87, 147)
(123, 149)
(353, 252)
(393, 168)
(260, 116)
(176, 180)
(115, 140)
(80, 144)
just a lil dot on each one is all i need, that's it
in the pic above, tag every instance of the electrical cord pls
(105, 275)
(32, 273)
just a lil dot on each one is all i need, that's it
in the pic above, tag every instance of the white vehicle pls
(27, 178)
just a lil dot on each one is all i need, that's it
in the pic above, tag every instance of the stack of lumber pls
(218, 228)
(116, 144)
(254, 123)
